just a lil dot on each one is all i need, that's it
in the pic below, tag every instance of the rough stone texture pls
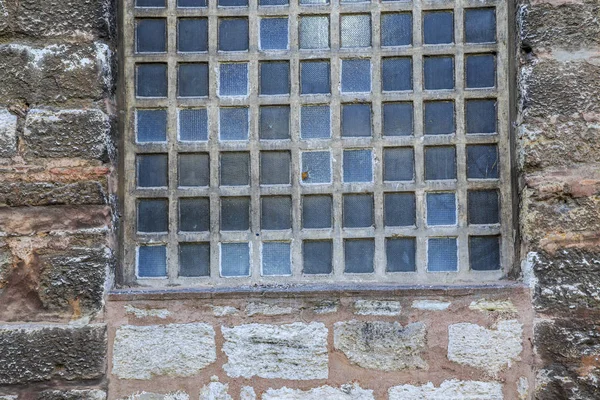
(523, 388)
(500, 306)
(8, 133)
(6, 263)
(254, 308)
(490, 350)
(18, 194)
(377, 307)
(155, 396)
(247, 393)
(215, 391)
(326, 306)
(453, 389)
(92, 394)
(34, 354)
(431, 305)
(147, 312)
(292, 351)
(66, 133)
(141, 352)
(345, 392)
(224, 311)
(385, 346)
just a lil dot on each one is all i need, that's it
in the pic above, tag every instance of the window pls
(316, 141)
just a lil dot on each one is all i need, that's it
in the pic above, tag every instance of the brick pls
(452, 389)
(30, 220)
(42, 353)
(345, 392)
(18, 194)
(8, 133)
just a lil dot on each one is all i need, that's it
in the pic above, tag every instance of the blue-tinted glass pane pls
(481, 116)
(316, 211)
(355, 30)
(439, 73)
(152, 170)
(152, 261)
(359, 256)
(481, 71)
(399, 209)
(274, 33)
(358, 211)
(193, 169)
(315, 122)
(480, 25)
(153, 215)
(317, 256)
(233, 3)
(400, 254)
(275, 77)
(151, 35)
(235, 213)
(483, 207)
(356, 75)
(315, 77)
(233, 79)
(276, 212)
(441, 209)
(194, 215)
(356, 120)
(233, 34)
(235, 259)
(484, 253)
(439, 118)
(358, 166)
(313, 2)
(193, 125)
(276, 258)
(398, 164)
(151, 80)
(440, 163)
(233, 123)
(397, 119)
(274, 122)
(194, 259)
(151, 125)
(397, 74)
(482, 161)
(192, 80)
(235, 168)
(150, 3)
(316, 167)
(275, 167)
(314, 32)
(438, 27)
(396, 29)
(273, 2)
(191, 3)
(192, 35)
(442, 255)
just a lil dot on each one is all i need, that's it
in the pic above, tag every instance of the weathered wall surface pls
(56, 174)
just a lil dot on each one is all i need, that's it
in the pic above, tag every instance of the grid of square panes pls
(276, 138)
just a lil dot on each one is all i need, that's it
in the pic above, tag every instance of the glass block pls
(194, 259)
(483, 207)
(396, 29)
(273, 2)
(358, 166)
(151, 80)
(442, 254)
(194, 215)
(274, 77)
(316, 211)
(356, 120)
(313, 2)
(193, 125)
(398, 164)
(355, 30)
(233, 123)
(150, 3)
(359, 256)
(315, 122)
(233, 3)
(235, 213)
(274, 122)
(438, 73)
(440, 163)
(399, 209)
(153, 215)
(233, 79)
(401, 254)
(276, 259)
(316, 167)
(481, 116)
(315, 77)
(275, 167)
(152, 262)
(276, 212)
(439, 118)
(482, 161)
(484, 253)
(192, 35)
(151, 125)
(192, 80)
(235, 259)
(235, 168)
(317, 256)
(438, 27)
(358, 211)
(233, 34)
(194, 169)
(152, 170)
(151, 35)
(480, 25)
(481, 71)
(441, 209)
(396, 74)
(274, 33)
(356, 75)
(314, 32)
(191, 3)
(397, 119)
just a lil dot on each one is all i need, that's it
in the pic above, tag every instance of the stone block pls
(156, 396)
(430, 305)
(19, 194)
(385, 346)
(377, 307)
(254, 308)
(42, 353)
(292, 351)
(84, 394)
(8, 133)
(499, 306)
(452, 389)
(345, 392)
(141, 313)
(141, 352)
(215, 391)
(490, 350)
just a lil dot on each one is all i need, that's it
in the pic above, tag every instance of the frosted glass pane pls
(315, 77)
(152, 261)
(397, 74)
(274, 77)
(398, 164)
(483, 207)
(481, 116)
(441, 209)
(316, 211)
(356, 75)
(356, 120)
(275, 167)
(194, 215)
(151, 125)
(151, 35)
(276, 212)
(274, 33)
(151, 80)
(276, 258)
(194, 170)
(274, 122)
(316, 167)
(152, 170)
(233, 79)
(439, 118)
(356, 30)
(397, 119)
(235, 168)
(440, 162)
(233, 123)
(192, 35)
(194, 259)
(438, 27)
(153, 215)
(480, 25)
(358, 211)
(314, 33)
(396, 29)
(235, 259)
(439, 73)
(317, 256)
(235, 213)
(482, 161)
(484, 253)
(442, 255)
(233, 34)
(315, 122)
(481, 71)
(313, 2)
(192, 80)
(358, 166)
(359, 256)
(193, 125)
(400, 254)
(399, 209)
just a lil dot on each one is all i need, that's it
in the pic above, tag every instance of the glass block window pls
(307, 141)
